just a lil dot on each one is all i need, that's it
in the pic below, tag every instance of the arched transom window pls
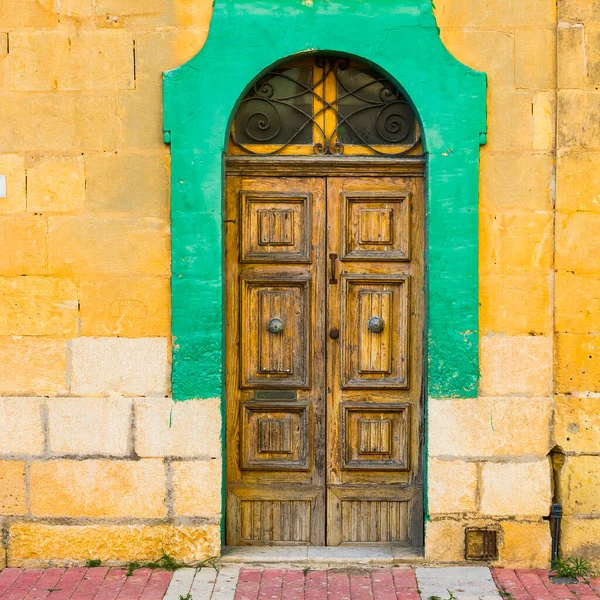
(325, 105)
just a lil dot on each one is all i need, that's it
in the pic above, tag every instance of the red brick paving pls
(535, 584)
(80, 583)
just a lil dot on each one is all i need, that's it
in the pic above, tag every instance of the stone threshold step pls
(323, 556)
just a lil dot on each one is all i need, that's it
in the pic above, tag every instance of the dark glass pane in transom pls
(371, 111)
(278, 110)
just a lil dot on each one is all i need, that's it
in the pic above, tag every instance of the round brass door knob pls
(376, 324)
(275, 325)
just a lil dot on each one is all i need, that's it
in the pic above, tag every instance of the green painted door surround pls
(398, 36)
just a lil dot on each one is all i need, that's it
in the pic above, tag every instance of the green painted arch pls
(399, 37)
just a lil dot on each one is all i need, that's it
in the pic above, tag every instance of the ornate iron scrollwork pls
(288, 106)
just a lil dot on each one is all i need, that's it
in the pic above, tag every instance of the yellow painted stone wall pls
(97, 462)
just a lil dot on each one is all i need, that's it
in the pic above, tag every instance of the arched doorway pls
(325, 304)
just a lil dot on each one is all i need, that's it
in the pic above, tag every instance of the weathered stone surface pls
(460, 13)
(47, 122)
(516, 489)
(128, 183)
(78, 10)
(577, 303)
(517, 365)
(510, 120)
(122, 13)
(578, 367)
(125, 306)
(577, 424)
(488, 427)
(21, 431)
(80, 426)
(516, 182)
(197, 488)
(31, 366)
(191, 428)
(544, 121)
(98, 488)
(27, 13)
(577, 241)
(445, 540)
(32, 543)
(592, 55)
(578, 11)
(13, 168)
(451, 486)
(83, 60)
(12, 487)
(516, 242)
(26, 238)
(110, 246)
(103, 366)
(541, 72)
(571, 56)
(525, 545)
(581, 538)
(579, 485)
(515, 304)
(56, 185)
(578, 181)
(38, 306)
(575, 128)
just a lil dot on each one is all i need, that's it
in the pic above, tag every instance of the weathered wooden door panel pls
(324, 360)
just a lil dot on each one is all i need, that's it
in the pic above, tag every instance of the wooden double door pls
(324, 369)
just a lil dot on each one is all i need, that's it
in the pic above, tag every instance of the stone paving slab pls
(234, 582)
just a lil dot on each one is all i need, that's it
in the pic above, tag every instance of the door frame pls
(200, 98)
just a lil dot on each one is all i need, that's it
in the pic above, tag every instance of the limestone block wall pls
(96, 461)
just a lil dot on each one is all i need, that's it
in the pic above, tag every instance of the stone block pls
(577, 303)
(592, 56)
(98, 488)
(510, 120)
(544, 121)
(13, 168)
(451, 486)
(190, 428)
(571, 56)
(578, 11)
(129, 245)
(517, 365)
(32, 543)
(489, 427)
(516, 182)
(445, 540)
(579, 485)
(576, 127)
(521, 489)
(128, 183)
(124, 366)
(525, 545)
(81, 60)
(38, 306)
(197, 488)
(56, 185)
(577, 424)
(21, 429)
(12, 488)
(577, 241)
(578, 367)
(45, 122)
(535, 58)
(192, 13)
(33, 366)
(26, 237)
(15, 14)
(461, 13)
(90, 426)
(123, 13)
(581, 538)
(578, 181)
(141, 122)
(516, 242)
(77, 10)
(126, 306)
(492, 52)
(515, 304)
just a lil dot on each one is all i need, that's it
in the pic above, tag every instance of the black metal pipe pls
(556, 514)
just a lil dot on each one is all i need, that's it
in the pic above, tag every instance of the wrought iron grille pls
(329, 105)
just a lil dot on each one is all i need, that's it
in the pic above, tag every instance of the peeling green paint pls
(400, 37)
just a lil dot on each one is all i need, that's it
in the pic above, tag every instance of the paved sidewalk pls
(255, 583)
